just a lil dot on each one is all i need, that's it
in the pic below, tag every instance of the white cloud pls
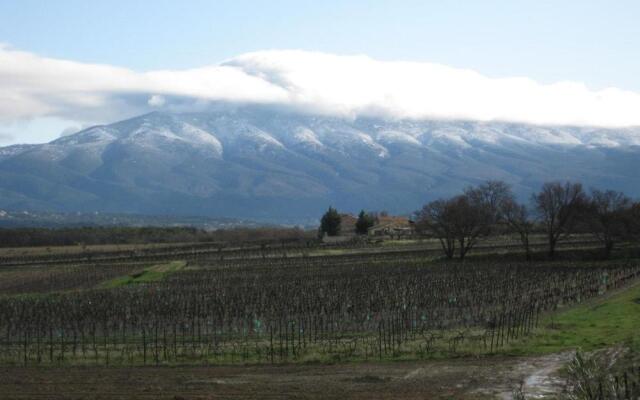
(32, 86)
(70, 131)
(156, 101)
(35, 130)
(5, 137)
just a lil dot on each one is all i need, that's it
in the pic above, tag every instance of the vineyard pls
(266, 306)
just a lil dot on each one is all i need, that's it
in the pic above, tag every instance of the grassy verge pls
(148, 275)
(597, 324)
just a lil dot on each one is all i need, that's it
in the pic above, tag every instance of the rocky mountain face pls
(265, 164)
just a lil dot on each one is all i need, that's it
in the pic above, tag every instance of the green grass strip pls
(148, 275)
(596, 324)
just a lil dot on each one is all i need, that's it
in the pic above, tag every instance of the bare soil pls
(451, 379)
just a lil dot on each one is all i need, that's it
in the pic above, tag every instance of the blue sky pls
(592, 42)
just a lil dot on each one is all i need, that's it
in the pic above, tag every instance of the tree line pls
(558, 210)
(331, 222)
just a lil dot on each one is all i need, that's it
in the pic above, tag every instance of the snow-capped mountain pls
(257, 162)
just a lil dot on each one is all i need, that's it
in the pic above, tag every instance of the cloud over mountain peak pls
(309, 82)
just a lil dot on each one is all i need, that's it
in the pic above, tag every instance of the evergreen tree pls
(330, 222)
(365, 221)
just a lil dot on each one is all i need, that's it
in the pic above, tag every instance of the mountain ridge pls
(260, 162)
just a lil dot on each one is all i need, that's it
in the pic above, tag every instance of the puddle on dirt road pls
(538, 376)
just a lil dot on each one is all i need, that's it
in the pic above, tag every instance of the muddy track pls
(460, 379)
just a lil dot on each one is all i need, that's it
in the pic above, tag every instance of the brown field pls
(451, 379)
(449, 375)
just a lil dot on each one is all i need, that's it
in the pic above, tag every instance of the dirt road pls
(450, 379)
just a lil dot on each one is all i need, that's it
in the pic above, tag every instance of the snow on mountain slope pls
(307, 137)
(10, 151)
(396, 137)
(262, 163)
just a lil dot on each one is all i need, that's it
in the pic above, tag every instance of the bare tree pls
(490, 196)
(559, 206)
(456, 222)
(471, 221)
(435, 219)
(516, 216)
(606, 216)
(632, 222)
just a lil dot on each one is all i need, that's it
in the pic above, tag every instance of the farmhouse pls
(347, 225)
(388, 225)
(385, 226)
